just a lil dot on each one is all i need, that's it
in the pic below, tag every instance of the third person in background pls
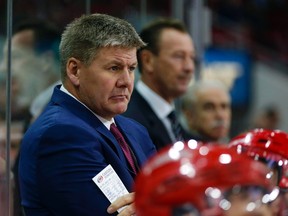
(206, 108)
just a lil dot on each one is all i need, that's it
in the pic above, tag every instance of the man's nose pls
(126, 78)
(189, 64)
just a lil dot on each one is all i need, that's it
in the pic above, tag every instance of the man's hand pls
(127, 201)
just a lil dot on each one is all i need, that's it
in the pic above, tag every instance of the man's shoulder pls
(55, 116)
(136, 99)
(138, 107)
(127, 121)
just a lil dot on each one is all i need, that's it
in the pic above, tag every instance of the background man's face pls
(212, 114)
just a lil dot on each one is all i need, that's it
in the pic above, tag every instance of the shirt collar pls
(160, 106)
(106, 122)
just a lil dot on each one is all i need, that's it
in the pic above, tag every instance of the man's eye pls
(208, 107)
(132, 69)
(179, 56)
(114, 68)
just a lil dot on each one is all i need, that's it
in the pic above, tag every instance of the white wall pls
(270, 87)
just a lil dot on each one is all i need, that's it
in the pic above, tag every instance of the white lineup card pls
(110, 184)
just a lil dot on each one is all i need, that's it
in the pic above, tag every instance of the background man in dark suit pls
(166, 66)
(70, 143)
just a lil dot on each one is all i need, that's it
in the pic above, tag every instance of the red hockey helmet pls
(270, 146)
(188, 178)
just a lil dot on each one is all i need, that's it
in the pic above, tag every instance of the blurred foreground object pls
(268, 146)
(194, 179)
(271, 148)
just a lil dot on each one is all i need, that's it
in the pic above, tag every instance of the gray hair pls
(85, 36)
(189, 100)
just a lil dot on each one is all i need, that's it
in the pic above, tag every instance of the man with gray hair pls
(206, 108)
(80, 155)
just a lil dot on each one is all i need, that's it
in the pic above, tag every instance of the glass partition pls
(23, 75)
(18, 86)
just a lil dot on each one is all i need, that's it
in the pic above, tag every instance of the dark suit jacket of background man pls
(141, 111)
(77, 146)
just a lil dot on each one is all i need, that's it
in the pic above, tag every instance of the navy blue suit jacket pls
(141, 111)
(64, 149)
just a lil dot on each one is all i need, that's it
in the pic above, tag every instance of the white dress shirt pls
(160, 106)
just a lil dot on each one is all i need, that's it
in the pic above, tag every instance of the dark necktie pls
(176, 127)
(124, 146)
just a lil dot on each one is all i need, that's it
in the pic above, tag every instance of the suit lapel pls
(111, 141)
(155, 125)
(75, 107)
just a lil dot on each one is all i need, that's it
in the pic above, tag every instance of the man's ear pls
(147, 58)
(73, 69)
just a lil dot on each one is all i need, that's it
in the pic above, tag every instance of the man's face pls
(173, 67)
(212, 114)
(106, 85)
